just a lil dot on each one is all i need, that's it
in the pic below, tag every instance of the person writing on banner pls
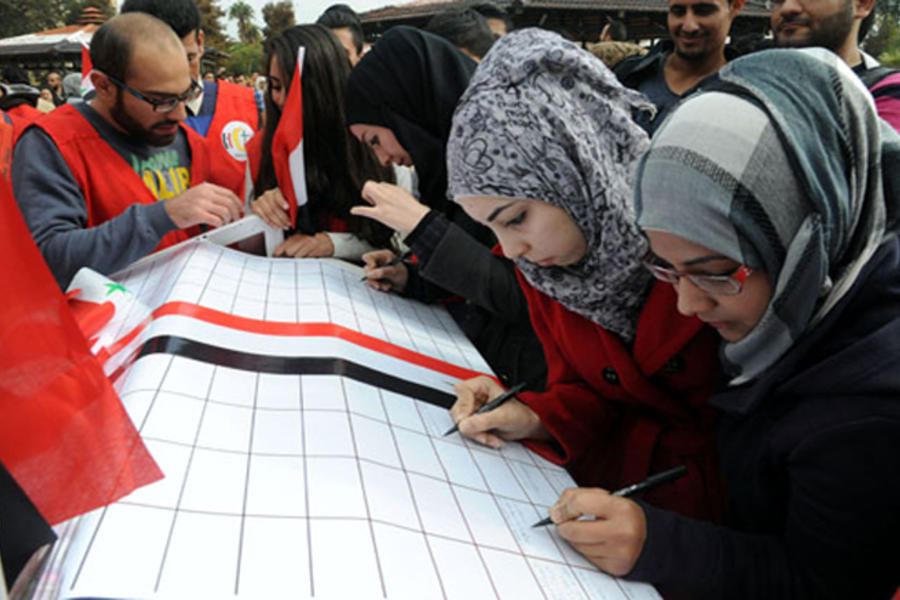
(226, 115)
(104, 183)
(400, 100)
(772, 208)
(542, 151)
(335, 163)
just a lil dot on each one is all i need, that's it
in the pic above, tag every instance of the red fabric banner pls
(64, 435)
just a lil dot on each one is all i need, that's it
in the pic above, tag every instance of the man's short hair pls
(113, 44)
(617, 30)
(340, 16)
(181, 15)
(464, 28)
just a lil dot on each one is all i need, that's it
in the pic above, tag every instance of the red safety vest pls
(22, 116)
(106, 180)
(234, 122)
(7, 136)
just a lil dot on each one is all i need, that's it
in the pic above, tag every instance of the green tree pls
(210, 17)
(883, 40)
(28, 16)
(278, 17)
(244, 58)
(73, 9)
(885, 36)
(242, 12)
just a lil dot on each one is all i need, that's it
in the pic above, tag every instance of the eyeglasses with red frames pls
(727, 284)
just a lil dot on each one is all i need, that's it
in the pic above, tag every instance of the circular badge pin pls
(235, 135)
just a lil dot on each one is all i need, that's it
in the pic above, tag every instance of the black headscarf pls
(410, 82)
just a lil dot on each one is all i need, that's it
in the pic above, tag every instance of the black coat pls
(811, 456)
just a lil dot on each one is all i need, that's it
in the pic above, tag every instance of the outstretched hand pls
(392, 206)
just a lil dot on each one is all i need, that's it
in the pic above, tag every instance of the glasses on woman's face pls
(727, 284)
(162, 105)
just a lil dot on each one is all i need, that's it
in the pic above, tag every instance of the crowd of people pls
(690, 258)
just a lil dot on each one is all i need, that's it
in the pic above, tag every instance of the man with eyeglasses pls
(103, 183)
(227, 115)
(698, 29)
(839, 25)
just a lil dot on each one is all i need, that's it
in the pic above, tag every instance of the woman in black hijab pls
(400, 101)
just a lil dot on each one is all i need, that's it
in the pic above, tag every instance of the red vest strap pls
(234, 123)
(108, 183)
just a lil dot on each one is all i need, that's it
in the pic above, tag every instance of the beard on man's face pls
(135, 130)
(830, 32)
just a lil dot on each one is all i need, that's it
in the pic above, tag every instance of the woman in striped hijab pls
(769, 200)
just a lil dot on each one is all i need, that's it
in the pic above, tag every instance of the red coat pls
(234, 123)
(108, 183)
(619, 414)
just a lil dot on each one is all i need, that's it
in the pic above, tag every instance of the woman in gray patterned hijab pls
(544, 120)
(542, 150)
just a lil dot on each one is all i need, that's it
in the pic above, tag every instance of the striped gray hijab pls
(793, 175)
(544, 119)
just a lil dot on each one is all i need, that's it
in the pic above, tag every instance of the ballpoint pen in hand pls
(634, 488)
(394, 261)
(493, 403)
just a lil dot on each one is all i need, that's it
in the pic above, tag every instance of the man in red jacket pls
(225, 114)
(106, 182)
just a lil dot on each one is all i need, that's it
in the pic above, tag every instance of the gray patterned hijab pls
(795, 176)
(543, 119)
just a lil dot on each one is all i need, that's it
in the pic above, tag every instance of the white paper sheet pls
(327, 485)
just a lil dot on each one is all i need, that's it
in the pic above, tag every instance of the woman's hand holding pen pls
(513, 420)
(613, 539)
(383, 272)
(391, 205)
(273, 209)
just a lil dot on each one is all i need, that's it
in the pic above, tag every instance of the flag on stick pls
(86, 67)
(287, 145)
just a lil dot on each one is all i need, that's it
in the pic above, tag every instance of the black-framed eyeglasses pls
(729, 284)
(162, 105)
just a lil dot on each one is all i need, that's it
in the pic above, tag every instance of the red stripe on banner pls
(285, 329)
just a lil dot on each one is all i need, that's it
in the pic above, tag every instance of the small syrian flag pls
(86, 67)
(287, 145)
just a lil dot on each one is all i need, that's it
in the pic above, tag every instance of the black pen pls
(394, 261)
(493, 403)
(634, 488)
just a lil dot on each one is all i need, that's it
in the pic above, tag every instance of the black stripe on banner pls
(293, 365)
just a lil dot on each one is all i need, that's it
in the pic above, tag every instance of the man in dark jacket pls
(698, 29)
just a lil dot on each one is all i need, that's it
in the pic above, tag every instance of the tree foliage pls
(278, 17)
(883, 41)
(244, 58)
(242, 12)
(211, 16)
(28, 16)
